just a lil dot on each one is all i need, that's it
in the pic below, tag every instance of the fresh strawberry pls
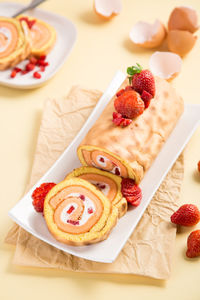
(39, 195)
(141, 80)
(131, 191)
(193, 244)
(129, 104)
(146, 97)
(198, 166)
(186, 215)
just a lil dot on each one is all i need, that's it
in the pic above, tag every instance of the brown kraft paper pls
(148, 251)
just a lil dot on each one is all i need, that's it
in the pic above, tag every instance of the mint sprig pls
(133, 70)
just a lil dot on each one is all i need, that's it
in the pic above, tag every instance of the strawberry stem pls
(133, 70)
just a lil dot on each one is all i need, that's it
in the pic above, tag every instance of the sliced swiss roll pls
(109, 184)
(43, 35)
(130, 151)
(78, 214)
(15, 44)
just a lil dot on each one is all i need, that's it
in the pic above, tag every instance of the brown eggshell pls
(183, 18)
(148, 35)
(180, 42)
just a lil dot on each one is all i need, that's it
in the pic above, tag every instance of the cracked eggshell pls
(165, 65)
(183, 18)
(148, 35)
(107, 9)
(180, 41)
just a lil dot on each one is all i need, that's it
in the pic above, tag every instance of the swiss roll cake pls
(129, 151)
(43, 35)
(77, 213)
(108, 183)
(15, 44)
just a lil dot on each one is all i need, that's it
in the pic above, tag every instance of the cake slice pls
(77, 213)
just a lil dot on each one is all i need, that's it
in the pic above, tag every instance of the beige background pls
(101, 49)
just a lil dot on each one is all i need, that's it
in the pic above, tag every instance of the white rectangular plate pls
(66, 37)
(107, 251)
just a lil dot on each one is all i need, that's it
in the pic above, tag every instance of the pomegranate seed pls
(117, 172)
(73, 222)
(30, 67)
(36, 75)
(33, 60)
(13, 73)
(70, 210)
(82, 197)
(102, 159)
(90, 210)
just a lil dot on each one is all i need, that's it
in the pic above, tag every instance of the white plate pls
(107, 251)
(66, 37)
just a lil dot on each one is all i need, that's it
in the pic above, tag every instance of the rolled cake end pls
(103, 159)
(77, 214)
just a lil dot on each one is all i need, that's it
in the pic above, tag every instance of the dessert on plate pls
(115, 154)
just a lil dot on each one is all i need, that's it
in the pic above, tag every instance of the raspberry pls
(129, 104)
(131, 191)
(146, 97)
(36, 75)
(186, 215)
(193, 244)
(39, 195)
(102, 159)
(82, 197)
